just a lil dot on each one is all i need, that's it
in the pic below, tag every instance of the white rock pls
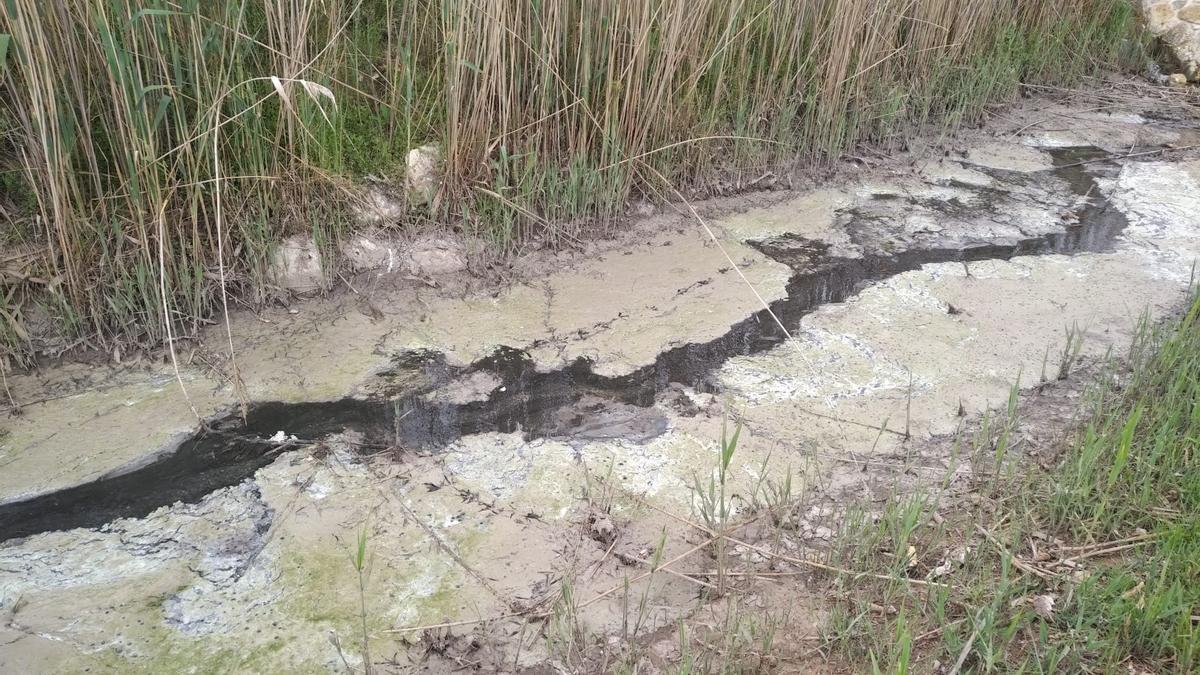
(297, 264)
(378, 206)
(432, 256)
(424, 173)
(363, 252)
(1177, 24)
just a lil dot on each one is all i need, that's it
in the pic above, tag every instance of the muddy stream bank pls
(495, 445)
(548, 404)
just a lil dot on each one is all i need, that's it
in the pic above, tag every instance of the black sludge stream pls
(539, 404)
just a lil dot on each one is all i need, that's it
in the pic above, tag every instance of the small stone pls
(603, 530)
(1043, 606)
(1160, 14)
(378, 206)
(363, 252)
(433, 256)
(1177, 80)
(424, 173)
(643, 209)
(1177, 25)
(819, 512)
(297, 264)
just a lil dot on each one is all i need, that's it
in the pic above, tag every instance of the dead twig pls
(643, 575)
(455, 624)
(544, 614)
(936, 631)
(7, 392)
(966, 650)
(1130, 155)
(689, 576)
(1106, 551)
(1017, 562)
(842, 571)
(1114, 542)
(732, 263)
(448, 550)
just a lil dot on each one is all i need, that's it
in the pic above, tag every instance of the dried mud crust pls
(770, 588)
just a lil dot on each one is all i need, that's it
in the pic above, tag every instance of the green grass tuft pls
(1123, 505)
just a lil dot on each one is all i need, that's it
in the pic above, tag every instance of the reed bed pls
(122, 123)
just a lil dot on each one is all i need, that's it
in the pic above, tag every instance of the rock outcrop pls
(1177, 24)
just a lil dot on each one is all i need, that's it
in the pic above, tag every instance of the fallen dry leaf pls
(1133, 591)
(1043, 606)
(954, 558)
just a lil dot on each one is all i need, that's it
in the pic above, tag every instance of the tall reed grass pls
(550, 114)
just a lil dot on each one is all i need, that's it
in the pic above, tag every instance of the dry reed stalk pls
(539, 109)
